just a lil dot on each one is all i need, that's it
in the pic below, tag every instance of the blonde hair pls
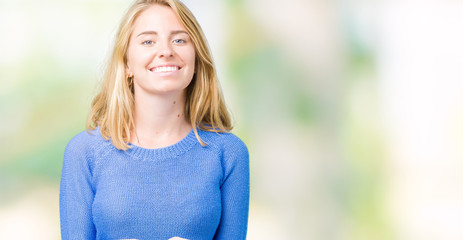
(112, 109)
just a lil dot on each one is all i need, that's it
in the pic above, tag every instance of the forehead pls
(157, 18)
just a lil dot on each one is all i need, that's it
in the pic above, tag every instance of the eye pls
(147, 42)
(179, 41)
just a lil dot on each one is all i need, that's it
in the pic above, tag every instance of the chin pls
(161, 87)
(168, 89)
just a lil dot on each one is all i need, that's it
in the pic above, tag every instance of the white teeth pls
(165, 69)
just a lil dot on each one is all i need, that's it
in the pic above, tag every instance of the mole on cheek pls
(178, 115)
(175, 102)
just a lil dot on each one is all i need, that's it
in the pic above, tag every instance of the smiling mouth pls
(164, 69)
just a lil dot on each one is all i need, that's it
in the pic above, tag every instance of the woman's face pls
(160, 55)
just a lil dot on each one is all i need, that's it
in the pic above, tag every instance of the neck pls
(159, 120)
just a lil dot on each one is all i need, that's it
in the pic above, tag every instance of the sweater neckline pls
(171, 151)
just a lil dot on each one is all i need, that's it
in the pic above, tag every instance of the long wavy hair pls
(113, 108)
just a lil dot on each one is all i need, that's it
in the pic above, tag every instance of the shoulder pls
(84, 142)
(84, 138)
(222, 140)
(230, 146)
(233, 151)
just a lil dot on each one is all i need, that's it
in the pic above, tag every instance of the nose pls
(165, 50)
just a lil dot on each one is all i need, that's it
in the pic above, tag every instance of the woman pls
(158, 161)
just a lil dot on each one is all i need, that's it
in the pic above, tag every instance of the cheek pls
(192, 58)
(136, 56)
(132, 56)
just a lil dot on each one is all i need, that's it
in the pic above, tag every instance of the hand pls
(177, 238)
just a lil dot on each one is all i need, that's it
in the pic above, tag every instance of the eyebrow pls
(156, 33)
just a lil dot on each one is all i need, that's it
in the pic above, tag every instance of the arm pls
(76, 192)
(235, 192)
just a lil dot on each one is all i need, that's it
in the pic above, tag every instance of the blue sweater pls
(183, 190)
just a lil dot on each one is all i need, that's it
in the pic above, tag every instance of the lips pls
(165, 68)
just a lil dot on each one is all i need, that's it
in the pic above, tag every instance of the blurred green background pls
(352, 110)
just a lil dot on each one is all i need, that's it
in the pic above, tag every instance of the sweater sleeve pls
(234, 192)
(76, 191)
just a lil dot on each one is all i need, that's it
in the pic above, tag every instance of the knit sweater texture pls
(187, 190)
